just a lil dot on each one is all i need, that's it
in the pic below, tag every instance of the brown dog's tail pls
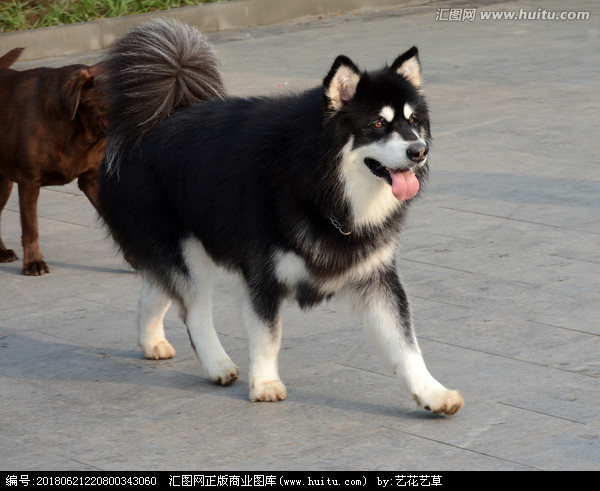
(9, 58)
(155, 70)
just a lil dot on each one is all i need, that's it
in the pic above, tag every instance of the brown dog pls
(52, 131)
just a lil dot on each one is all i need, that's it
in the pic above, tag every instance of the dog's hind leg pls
(383, 305)
(198, 318)
(264, 340)
(6, 255)
(152, 307)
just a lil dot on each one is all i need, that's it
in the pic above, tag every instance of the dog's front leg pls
(6, 255)
(383, 305)
(33, 261)
(264, 341)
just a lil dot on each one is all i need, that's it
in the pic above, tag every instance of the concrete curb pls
(209, 18)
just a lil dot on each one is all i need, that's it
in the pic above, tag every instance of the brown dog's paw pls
(7, 256)
(35, 268)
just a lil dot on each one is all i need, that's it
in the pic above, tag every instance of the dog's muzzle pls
(402, 178)
(417, 152)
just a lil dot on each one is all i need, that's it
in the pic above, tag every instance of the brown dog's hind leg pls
(6, 255)
(33, 261)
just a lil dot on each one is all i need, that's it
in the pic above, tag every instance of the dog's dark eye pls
(412, 120)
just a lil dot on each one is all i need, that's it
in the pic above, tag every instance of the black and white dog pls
(303, 195)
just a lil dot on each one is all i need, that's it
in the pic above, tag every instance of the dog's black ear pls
(73, 89)
(407, 65)
(339, 86)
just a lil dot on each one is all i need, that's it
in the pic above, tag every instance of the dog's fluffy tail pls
(156, 69)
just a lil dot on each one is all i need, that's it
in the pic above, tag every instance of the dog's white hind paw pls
(442, 401)
(163, 350)
(270, 391)
(226, 373)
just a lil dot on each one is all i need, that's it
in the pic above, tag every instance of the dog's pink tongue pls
(405, 185)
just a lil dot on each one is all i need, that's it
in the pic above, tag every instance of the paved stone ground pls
(501, 259)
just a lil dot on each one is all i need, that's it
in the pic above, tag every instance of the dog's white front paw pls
(270, 391)
(162, 350)
(440, 400)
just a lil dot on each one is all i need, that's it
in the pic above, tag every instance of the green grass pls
(16, 15)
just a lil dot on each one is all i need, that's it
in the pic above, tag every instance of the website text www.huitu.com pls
(471, 14)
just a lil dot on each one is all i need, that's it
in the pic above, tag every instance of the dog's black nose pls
(417, 152)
